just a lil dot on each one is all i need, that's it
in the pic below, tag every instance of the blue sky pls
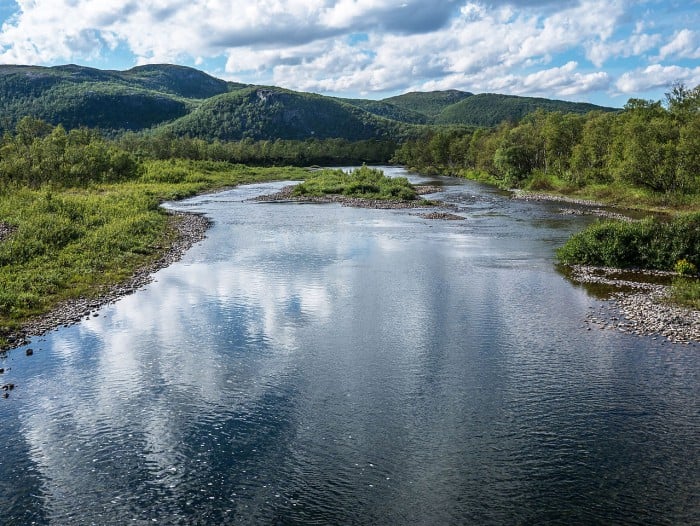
(601, 51)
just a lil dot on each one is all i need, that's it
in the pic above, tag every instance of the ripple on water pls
(327, 365)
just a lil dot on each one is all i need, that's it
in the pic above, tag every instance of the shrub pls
(685, 268)
(651, 244)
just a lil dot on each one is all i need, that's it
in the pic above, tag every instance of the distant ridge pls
(185, 101)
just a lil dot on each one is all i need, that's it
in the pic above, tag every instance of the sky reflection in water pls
(312, 363)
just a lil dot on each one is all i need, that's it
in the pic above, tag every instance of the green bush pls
(648, 244)
(364, 182)
(685, 268)
(686, 291)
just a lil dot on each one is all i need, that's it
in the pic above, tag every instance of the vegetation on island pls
(364, 182)
(650, 244)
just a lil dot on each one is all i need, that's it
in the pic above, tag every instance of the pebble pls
(642, 310)
(6, 230)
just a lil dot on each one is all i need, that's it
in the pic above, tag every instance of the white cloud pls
(599, 52)
(656, 76)
(685, 44)
(525, 47)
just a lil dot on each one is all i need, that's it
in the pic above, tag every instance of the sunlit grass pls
(71, 243)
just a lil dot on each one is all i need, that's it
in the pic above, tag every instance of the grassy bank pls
(72, 242)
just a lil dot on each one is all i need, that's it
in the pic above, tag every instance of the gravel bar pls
(285, 196)
(642, 309)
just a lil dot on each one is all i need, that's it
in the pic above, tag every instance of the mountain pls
(490, 109)
(429, 103)
(186, 101)
(271, 112)
(389, 111)
(75, 96)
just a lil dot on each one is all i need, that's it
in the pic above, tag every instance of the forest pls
(651, 146)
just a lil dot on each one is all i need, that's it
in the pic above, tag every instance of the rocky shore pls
(640, 307)
(588, 207)
(189, 229)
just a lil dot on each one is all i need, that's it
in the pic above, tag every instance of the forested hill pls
(186, 101)
(490, 109)
(267, 112)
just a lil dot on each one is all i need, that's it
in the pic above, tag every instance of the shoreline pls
(189, 228)
(643, 309)
(594, 208)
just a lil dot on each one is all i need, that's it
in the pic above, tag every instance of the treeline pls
(651, 145)
(38, 153)
(280, 152)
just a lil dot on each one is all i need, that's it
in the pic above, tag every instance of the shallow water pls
(320, 364)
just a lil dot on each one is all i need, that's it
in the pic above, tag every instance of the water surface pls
(320, 364)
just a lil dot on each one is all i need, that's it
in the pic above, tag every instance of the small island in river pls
(364, 187)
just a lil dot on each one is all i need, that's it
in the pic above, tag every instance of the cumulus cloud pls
(656, 76)
(479, 50)
(684, 44)
(363, 46)
(599, 52)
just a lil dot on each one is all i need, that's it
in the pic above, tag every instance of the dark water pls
(315, 364)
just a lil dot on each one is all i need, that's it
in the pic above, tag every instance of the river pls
(318, 364)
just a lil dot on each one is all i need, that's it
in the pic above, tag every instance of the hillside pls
(429, 103)
(489, 109)
(388, 111)
(269, 113)
(75, 96)
(186, 101)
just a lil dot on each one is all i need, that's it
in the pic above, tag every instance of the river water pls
(317, 364)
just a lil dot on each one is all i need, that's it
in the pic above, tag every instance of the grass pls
(72, 243)
(364, 182)
(616, 195)
(686, 291)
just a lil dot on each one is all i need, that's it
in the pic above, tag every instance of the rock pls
(29, 352)
(441, 215)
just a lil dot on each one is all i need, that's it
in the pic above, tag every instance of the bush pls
(685, 268)
(648, 244)
(686, 292)
(364, 182)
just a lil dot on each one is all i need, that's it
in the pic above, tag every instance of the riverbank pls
(641, 306)
(184, 229)
(585, 206)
